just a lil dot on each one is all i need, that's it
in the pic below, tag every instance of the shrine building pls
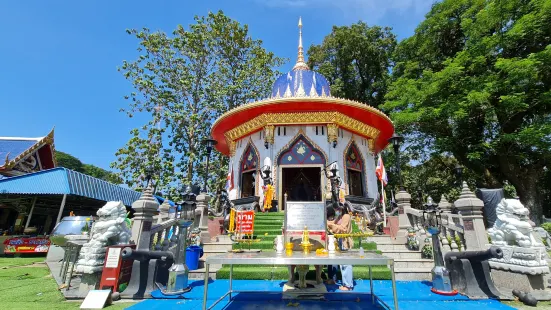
(301, 129)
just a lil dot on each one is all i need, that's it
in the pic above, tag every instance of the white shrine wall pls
(284, 135)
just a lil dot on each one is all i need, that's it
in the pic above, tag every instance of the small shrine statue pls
(512, 226)
(305, 244)
(109, 229)
(412, 242)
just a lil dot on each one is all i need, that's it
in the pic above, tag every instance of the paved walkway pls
(411, 295)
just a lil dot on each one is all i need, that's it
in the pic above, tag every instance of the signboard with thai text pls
(26, 245)
(244, 222)
(311, 215)
(301, 214)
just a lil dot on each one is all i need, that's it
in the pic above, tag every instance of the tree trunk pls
(529, 193)
(527, 181)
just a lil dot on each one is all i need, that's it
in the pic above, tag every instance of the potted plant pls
(85, 230)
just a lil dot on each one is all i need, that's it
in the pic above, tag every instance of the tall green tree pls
(356, 60)
(475, 81)
(70, 162)
(185, 81)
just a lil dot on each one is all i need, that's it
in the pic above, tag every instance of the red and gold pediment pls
(26, 155)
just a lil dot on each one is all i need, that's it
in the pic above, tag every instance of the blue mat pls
(411, 295)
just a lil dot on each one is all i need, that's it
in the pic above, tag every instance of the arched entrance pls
(300, 170)
(248, 167)
(354, 171)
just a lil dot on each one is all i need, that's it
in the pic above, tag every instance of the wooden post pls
(30, 213)
(61, 209)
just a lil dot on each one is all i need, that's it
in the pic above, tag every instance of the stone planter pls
(214, 226)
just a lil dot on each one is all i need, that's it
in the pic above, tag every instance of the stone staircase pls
(409, 265)
(218, 245)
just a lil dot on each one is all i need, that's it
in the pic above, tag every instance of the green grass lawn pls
(19, 261)
(23, 287)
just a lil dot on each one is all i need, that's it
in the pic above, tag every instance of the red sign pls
(116, 272)
(26, 245)
(244, 222)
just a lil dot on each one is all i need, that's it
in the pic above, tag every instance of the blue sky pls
(59, 59)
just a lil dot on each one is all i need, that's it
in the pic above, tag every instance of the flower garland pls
(268, 195)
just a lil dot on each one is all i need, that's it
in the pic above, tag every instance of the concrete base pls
(88, 282)
(507, 281)
(522, 260)
(55, 253)
(291, 292)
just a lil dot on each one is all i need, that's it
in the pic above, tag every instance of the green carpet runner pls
(266, 227)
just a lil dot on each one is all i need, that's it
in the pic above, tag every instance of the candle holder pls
(279, 244)
(305, 244)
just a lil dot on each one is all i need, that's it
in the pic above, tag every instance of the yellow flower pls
(87, 219)
(265, 234)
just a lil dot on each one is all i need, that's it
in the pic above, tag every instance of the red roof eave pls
(357, 111)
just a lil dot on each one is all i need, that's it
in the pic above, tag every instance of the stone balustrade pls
(463, 231)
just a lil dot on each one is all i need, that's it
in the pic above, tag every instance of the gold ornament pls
(302, 118)
(332, 132)
(269, 133)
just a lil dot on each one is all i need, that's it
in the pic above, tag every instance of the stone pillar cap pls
(468, 203)
(146, 201)
(444, 204)
(165, 206)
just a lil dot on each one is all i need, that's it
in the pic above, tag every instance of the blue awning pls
(61, 181)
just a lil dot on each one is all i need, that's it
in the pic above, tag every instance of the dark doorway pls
(302, 184)
(248, 184)
(355, 184)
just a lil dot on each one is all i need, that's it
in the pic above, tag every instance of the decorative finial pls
(300, 65)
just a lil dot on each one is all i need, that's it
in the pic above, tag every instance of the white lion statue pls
(512, 226)
(109, 229)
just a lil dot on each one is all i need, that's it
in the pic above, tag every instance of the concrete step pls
(405, 263)
(199, 274)
(383, 239)
(413, 274)
(218, 246)
(407, 254)
(390, 247)
(213, 253)
(221, 238)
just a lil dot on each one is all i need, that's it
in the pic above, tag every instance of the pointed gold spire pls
(300, 65)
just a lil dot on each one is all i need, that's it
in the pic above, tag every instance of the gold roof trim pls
(301, 118)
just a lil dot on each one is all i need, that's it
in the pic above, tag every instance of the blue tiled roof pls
(64, 181)
(12, 147)
(301, 83)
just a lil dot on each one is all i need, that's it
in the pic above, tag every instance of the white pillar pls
(61, 209)
(202, 212)
(30, 213)
(403, 199)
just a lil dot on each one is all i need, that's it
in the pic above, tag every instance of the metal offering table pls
(299, 258)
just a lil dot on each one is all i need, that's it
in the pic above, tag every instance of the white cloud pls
(368, 10)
